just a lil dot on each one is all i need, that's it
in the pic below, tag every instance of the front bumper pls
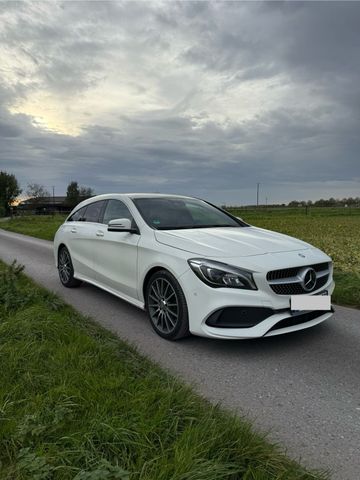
(237, 314)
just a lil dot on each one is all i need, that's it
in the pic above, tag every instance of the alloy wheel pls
(163, 305)
(65, 267)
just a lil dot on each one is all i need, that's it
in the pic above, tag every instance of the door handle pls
(73, 230)
(99, 233)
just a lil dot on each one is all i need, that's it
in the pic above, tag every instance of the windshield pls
(172, 213)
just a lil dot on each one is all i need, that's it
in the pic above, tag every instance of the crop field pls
(334, 230)
(330, 230)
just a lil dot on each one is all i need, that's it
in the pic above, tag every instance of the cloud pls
(202, 98)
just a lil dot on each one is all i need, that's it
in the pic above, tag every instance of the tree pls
(72, 194)
(9, 190)
(37, 193)
(86, 192)
(76, 194)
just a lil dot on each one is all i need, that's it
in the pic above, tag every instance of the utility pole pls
(257, 194)
(53, 189)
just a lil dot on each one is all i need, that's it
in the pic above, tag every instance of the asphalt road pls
(302, 388)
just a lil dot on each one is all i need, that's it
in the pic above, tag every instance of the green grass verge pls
(333, 230)
(347, 290)
(40, 226)
(78, 403)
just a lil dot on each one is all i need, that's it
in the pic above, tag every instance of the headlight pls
(217, 274)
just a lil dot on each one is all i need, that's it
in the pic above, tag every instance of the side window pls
(93, 212)
(78, 215)
(116, 209)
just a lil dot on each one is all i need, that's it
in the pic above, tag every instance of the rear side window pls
(116, 209)
(93, 212)
(78, 215)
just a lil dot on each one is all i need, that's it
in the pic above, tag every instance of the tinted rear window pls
(78, 215)
(93, 211)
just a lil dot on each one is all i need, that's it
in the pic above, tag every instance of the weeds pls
(11, 295)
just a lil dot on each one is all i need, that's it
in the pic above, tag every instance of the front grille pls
(285, 281)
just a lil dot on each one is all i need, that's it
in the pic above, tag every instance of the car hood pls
(229, 242)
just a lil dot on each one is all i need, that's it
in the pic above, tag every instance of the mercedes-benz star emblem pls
(308, 279)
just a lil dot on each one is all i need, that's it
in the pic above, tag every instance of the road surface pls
(303, 388)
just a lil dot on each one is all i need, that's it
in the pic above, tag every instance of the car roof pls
(137, 195)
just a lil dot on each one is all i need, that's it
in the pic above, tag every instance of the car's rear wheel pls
(66, 269)
(166, 306)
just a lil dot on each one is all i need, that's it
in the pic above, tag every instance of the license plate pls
(321, 301)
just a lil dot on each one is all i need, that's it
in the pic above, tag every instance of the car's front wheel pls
(166, 306)
(66, 269)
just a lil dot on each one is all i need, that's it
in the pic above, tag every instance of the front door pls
(115, 253)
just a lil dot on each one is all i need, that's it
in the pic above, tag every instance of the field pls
(77, 403)
(334, 230)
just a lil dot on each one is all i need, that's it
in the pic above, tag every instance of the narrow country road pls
(304, 387)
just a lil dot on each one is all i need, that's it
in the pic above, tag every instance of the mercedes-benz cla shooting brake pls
(194, 267)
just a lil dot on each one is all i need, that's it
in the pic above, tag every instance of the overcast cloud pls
(185, 97)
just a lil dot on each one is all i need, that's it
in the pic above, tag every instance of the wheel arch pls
(180, 326)
(62, 244)
(147, 277)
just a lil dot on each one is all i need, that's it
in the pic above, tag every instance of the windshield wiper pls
(187, 227)
(215, 226)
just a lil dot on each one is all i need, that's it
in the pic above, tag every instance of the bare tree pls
(37, 193)
(86, 192)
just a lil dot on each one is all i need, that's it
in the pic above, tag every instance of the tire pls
(166, 306)
(66, 269)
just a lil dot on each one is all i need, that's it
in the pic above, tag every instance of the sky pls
(198, 98)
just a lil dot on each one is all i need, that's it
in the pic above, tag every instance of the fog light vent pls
(238, 317)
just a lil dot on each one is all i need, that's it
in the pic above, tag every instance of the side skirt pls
(133, 301)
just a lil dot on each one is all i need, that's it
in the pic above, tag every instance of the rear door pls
(115, 253)
(75, 231)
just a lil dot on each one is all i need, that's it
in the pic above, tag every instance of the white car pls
(194, 267)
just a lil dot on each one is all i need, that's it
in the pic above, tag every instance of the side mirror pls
(120, 225)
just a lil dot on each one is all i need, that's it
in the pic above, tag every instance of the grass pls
(40, 226)
(347, 290)
(334, 230)
(78, 403)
